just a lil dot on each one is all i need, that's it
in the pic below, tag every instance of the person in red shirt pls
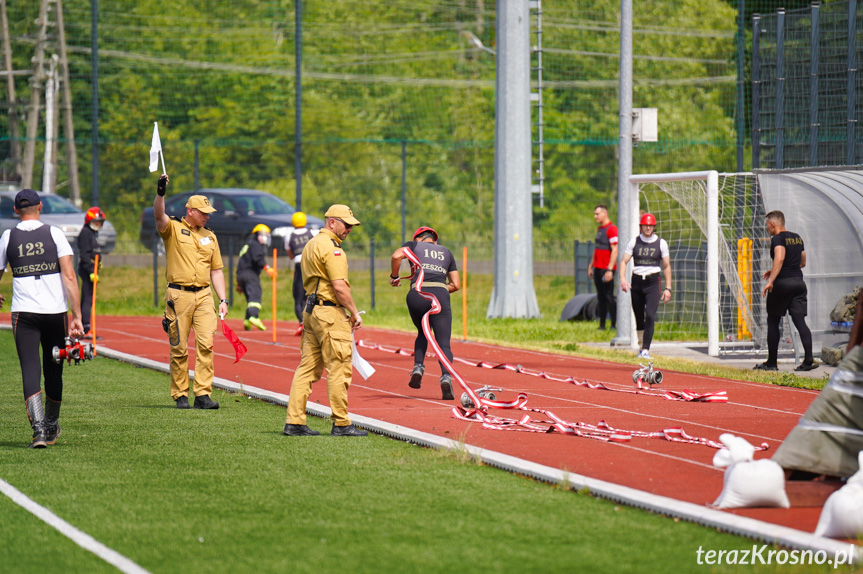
(603, 262)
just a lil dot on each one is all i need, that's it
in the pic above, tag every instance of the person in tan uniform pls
(193, 264)
(327, 329)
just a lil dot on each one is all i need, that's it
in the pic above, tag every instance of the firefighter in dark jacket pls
(252, 261)
(88, 248)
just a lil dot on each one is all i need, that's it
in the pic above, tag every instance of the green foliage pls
(219, 78)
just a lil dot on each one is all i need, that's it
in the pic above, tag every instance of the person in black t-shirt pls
(785, 291)
(440, 279)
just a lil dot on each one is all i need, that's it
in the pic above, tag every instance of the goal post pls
(704, 208)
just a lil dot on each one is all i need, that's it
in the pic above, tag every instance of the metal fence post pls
(756, 91)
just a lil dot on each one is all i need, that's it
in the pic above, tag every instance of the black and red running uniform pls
(437, 262)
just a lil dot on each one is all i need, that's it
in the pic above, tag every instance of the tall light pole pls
(513, 294)
(626, 213)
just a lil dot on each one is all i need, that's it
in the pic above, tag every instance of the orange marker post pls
(464, 293)
(275, 279)
(93, 306)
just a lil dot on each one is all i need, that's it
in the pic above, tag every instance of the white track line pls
(80, 538)
(739, 525)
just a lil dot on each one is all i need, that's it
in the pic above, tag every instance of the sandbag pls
(748, 483)
(842, 515)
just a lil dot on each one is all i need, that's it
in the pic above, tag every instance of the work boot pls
(183, 402)
(256, 322)
(446, 387)
(205, 402)
(417, 376)
(52, 423)
(349, 430)
(299, 430)
(37, 421)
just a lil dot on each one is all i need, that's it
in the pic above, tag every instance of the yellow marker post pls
(464, 293)
(93, 306)
(744, 295)
(275, 279)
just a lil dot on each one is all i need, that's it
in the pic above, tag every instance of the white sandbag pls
(842, 515)
(748, 483)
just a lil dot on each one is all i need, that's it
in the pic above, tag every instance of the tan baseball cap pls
(342, 212)
(201, 203)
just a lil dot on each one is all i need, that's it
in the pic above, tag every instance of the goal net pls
(714, 226)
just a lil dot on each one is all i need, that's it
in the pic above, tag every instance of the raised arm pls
(162, 219)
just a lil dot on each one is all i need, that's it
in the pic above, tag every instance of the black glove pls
(162, 186)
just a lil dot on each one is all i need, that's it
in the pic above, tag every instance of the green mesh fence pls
(219, 76)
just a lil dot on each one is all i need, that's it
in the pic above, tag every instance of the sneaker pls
(446, 387)
(256, 322)
(644, 354)
(299, 331)
(417, 377)
(349, 430)
(804, 366)
(246, 325)
(183, 402)
(765, 366)
(299, 430)
(205, 402)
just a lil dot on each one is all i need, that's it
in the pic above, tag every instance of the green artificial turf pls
(225, 491)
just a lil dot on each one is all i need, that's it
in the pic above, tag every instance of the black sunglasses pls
(347, 225)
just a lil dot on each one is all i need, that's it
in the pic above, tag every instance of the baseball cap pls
(26, 198)
(201, 203)
(342, 212)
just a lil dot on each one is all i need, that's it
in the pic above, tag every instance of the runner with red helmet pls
(441, 279)
(88, 248)
(649, 254)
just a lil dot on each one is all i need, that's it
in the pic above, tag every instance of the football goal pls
(714, 226)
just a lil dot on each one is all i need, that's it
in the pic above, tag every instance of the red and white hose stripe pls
(601, 431)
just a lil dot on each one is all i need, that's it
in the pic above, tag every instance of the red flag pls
(239, 347)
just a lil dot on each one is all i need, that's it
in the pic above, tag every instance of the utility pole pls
(49, 178)
(14, 141)
(35, 97)
(68, 125)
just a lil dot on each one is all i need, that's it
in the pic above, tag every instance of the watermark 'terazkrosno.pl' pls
(765, 555)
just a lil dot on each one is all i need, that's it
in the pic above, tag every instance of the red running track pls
(757, 412)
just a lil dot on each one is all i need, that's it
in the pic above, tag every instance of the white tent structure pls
(824, 206)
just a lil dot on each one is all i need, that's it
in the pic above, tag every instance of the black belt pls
(185, 287)
(647, 277)
(327, 303)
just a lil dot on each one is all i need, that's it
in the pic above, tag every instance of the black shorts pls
(789, 295)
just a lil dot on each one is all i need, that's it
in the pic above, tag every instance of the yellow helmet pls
(261, 228)
(298, 219)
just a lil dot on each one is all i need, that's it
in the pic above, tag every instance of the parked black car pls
(237, 212)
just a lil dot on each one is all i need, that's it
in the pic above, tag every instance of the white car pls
(59, 212)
